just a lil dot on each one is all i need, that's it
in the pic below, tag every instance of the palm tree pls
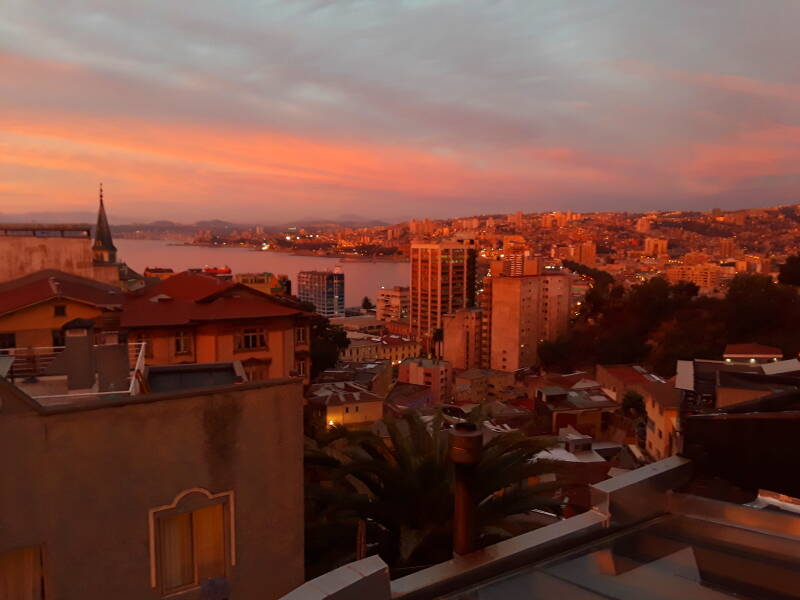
(402, 487)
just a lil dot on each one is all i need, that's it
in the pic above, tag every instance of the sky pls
(269, 111)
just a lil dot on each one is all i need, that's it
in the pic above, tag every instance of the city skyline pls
(429, 109)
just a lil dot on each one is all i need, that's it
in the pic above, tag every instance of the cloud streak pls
(392, 110)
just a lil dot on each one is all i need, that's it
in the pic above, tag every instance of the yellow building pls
(195, 318)
(706, 276)
(343, 403)
(268, 283)
(662, 404)
(34, 308)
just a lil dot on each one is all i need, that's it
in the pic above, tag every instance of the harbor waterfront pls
(362, 278)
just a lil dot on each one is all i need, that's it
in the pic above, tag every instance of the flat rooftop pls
(674, 556)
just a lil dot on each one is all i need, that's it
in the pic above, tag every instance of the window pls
(300, 367)
(21, 574)
(300, 335)
(183, 342)
(252, 338)
(142, 338)
(57, 337)
(8, 340)
(191, 548)
(60, 310)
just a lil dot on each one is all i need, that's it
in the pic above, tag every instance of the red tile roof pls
(49, 284)
(190, 298)
(752, 350)
(626, 374)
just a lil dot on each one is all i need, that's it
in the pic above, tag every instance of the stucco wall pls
(23, 255)
(81, 485)
(33, 326)
(214, 342)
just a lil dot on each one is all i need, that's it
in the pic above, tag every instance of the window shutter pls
(177, 569)
(209, 542)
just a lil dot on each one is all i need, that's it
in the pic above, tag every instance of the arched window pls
(192, 540)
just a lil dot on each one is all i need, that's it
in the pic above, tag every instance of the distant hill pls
(49, 217)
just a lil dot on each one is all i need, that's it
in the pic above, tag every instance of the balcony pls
(47, 374)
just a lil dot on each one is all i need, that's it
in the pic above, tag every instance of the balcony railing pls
(35, 361)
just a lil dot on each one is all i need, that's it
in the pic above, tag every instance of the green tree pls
(402, 488)
(367, 304)
(758, 308)
(327, 341)
(697, 331)
(790, 271)
(633, 404)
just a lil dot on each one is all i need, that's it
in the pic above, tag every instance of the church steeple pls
(103, 249)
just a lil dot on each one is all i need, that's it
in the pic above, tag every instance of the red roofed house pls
(33, 308)
(193, 317)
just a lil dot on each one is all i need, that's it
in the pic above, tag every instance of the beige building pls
(28, 248)
(463, 338)
(485, 385)
(343, 403)
(526, 311)
(442, 281)
(706, 277)
(435, 374)
(152, 496)
(392, 304)
(662, 404)
(655, 246)
(585, 253)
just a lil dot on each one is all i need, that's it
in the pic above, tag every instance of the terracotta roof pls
(192, 298)
(48, 284)
(752, 350)
(627, 374)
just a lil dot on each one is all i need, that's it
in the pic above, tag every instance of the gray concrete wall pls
(81, 485)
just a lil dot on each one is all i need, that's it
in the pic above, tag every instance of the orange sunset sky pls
(273, 111)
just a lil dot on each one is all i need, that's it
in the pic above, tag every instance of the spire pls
(103, 247)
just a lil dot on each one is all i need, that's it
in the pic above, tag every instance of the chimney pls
(466, 443)
(78, 354)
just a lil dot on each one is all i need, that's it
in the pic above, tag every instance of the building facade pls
(30, 247)
(392, 304)
(442, 281)
(162, 495)
(323, 289)
(435, 374)
(194, 318)
(463, 338)
(526, 311)
(34, 308)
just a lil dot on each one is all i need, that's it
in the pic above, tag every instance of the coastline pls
(296, 252)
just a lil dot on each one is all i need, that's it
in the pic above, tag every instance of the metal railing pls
(34, 362)
(31, 361)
